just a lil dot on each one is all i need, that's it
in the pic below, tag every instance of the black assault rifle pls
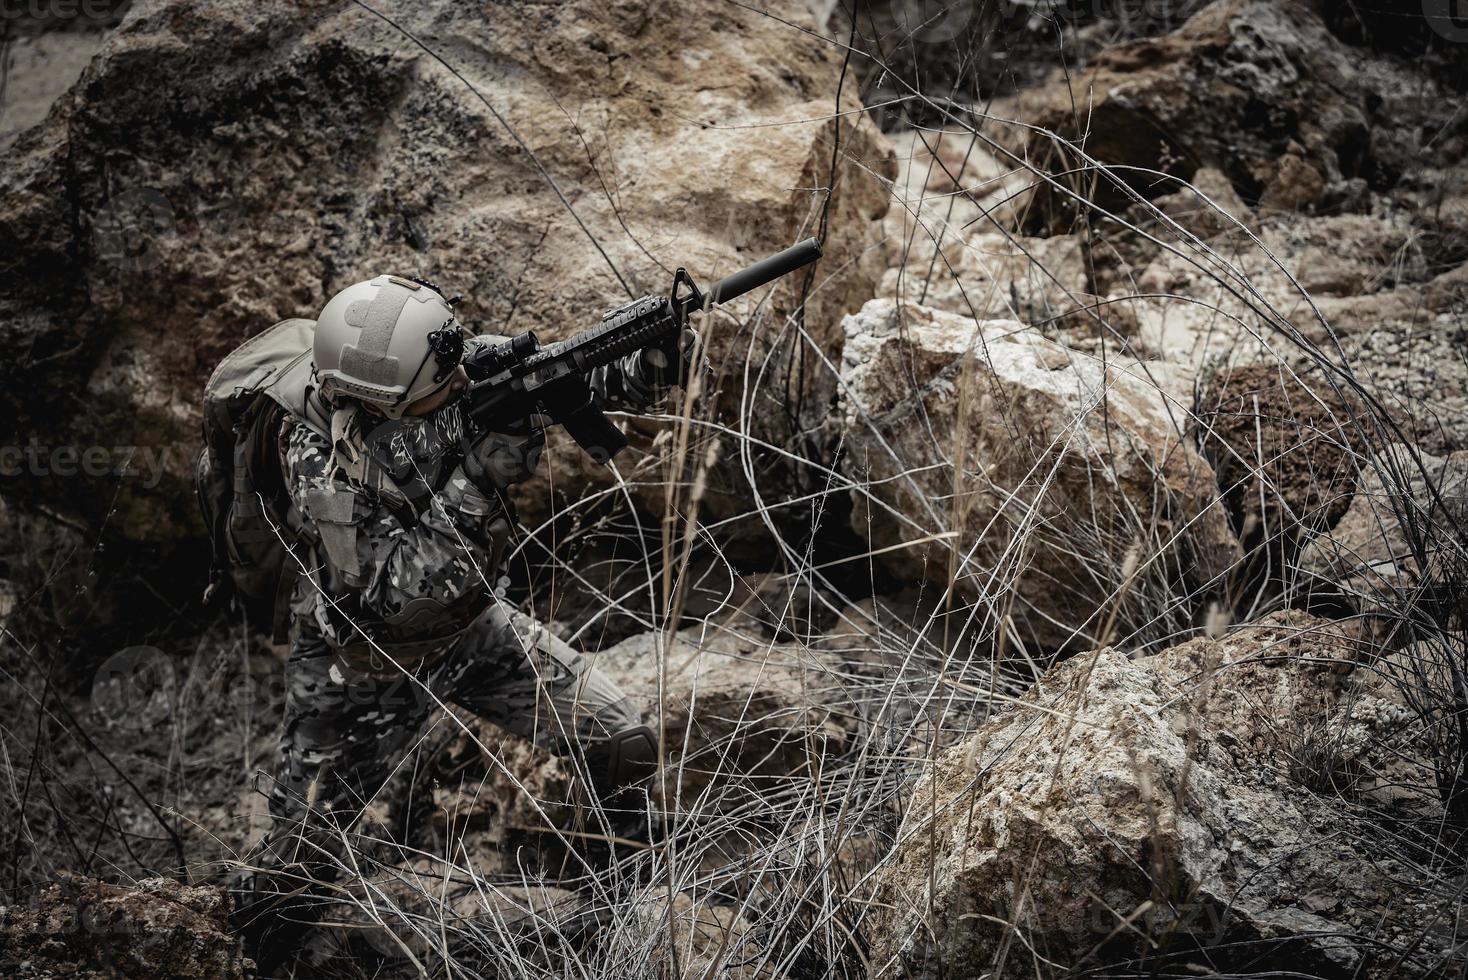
(515, 379)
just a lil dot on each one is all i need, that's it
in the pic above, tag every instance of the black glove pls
(670, 363)
(502, 459)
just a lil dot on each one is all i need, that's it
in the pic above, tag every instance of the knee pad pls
(629, 758)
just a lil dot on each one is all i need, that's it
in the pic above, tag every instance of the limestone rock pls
(221, 165)
(1372, 552)
(955, 186)
(991, 275)
(740, 712)
(1129, 811)
(1210, 207)
(1409, 338)
(708, 940)
(91, 930)
(1360, 274)
(1261, 91)
(1030, 455)
(1279, 445)
(1296, 185)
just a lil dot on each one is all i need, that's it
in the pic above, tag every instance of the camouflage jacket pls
(405, 549)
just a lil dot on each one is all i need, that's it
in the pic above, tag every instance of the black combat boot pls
(612, 846)
(271, 918)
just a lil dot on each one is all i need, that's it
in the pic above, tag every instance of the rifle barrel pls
(765, 270)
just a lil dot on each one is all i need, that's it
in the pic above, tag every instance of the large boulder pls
(999, 276)
(1410, 337)
(1262, 91)
(1280, 445)
(1058, 488)
(91, 930)
(1138, 813)
(1384, 294)
(221, 165)
(1400, 545)
(740, 714)
(950, 245)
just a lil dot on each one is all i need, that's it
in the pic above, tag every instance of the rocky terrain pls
(1065, 578)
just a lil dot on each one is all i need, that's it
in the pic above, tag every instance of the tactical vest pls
(262, 545)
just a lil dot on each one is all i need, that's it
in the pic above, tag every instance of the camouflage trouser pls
(345, 732)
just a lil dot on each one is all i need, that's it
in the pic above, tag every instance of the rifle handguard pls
(518, 378)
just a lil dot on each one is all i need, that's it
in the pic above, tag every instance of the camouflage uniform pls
(397, 612)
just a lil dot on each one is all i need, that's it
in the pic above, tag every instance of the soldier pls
(404, 526)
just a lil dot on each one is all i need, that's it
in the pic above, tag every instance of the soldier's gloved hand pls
(502, 459)
(672, 362)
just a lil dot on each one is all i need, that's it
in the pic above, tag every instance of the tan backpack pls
(239, 475)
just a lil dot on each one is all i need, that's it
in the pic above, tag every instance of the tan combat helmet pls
(388, 341)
